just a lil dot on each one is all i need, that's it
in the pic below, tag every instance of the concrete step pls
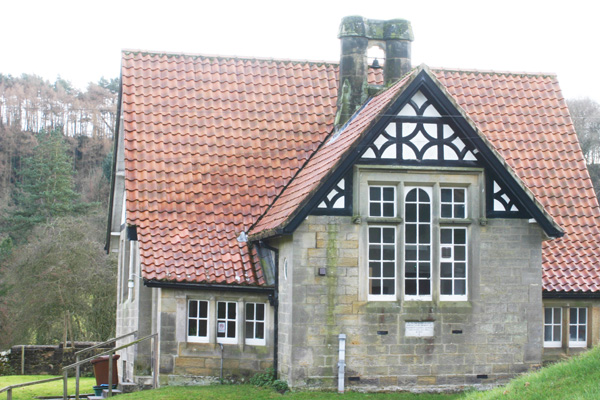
(71, 396)
(144, 382)
(129, 387)
(114, 393)
(104, 395)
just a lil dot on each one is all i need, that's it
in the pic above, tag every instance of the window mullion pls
(435, 239)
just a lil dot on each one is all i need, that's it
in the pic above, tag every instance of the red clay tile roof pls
(324, 162)
(526, 119)
(211, 142)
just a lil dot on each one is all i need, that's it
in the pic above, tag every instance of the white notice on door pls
(418, 329)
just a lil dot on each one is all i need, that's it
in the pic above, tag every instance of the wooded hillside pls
(55, 159)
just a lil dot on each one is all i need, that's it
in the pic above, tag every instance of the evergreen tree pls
(110, 84)
(46, 187)
(107, 166)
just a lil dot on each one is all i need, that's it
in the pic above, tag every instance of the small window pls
(197, 321)
(255, 324)
(226, 322)
(382, 201)
(382, 263)
(552, 327)
(453, 203)
(453, 264)
(578, 327)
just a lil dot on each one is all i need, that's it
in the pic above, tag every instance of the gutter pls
(570, 295)
(275, 304)
(207, 286)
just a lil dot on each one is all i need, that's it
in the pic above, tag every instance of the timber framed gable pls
(422, 127)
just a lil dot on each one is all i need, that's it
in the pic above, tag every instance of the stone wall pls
(491, 337)
(134, 313)
(183, 362)
(49, 360)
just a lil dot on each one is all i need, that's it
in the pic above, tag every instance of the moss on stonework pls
(331, 278)
(376, 29)
(213, 58)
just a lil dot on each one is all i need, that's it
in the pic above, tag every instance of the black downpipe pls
(275, 303)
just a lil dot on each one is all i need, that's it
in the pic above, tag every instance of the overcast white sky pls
(81, 40)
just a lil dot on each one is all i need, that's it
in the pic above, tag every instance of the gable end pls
(444, 137)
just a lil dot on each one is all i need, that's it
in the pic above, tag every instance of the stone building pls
(440, 224)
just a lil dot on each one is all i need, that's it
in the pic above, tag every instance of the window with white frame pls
(226, 322)
(417, 243)
(382, 201)
(453, 263)
(197, 327)
(552, 327)
(453, 202)
(578, 327)
(382, 262)
(417, 235)
(255, 324)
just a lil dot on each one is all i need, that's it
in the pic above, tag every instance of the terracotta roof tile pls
(324, 161)
(526, 119)
(210, 143)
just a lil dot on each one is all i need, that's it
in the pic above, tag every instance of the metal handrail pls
(77, 371)
(107, 342)
(9, 389)
(110, 364)
(76, 365)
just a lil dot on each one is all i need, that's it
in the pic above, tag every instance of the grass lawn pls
(575, 379)
(54, 388)
(235, 392)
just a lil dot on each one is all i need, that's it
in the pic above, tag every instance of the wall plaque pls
(418, 329)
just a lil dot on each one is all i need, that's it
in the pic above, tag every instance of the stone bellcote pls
(357, 36)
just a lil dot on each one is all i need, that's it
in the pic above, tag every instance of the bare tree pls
(32, 104)
(585, 114)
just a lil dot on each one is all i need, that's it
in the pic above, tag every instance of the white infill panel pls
(418, 329)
